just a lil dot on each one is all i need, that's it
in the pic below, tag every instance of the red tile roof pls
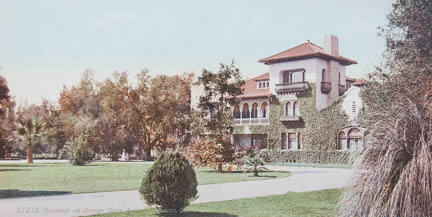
(350, 79)
(359, 82)
(264, 76)
(303, 51)
(250, 89)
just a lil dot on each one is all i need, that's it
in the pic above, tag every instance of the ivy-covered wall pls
(318, 129)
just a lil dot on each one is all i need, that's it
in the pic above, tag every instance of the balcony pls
(251, 121)
(292, 87)
(286, 118)
(341, 89)
(325, 87)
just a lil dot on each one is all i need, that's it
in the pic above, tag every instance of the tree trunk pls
(30, 154)
(148, 154)
(220, 167)
(255, 171)
(114, 157)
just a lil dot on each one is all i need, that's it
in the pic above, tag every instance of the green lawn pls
(23, 180)
(313, 204)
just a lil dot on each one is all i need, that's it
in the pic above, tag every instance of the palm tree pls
(30, 131)
(255, 164)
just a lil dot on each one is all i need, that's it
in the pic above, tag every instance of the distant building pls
(291, 73)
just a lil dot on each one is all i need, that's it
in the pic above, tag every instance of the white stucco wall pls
(352, 96)
(333, 68)
(276, 76)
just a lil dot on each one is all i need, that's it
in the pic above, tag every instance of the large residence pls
(270, 113)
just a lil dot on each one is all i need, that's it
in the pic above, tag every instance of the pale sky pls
(45, 44)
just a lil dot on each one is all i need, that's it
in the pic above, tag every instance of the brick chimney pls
(331, 45)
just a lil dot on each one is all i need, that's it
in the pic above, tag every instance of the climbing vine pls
(318, 128)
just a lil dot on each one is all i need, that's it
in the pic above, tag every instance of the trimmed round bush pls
(170, 183)
(79, 151)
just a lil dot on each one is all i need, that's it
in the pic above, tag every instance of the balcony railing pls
(341, 89)
(251, 121)
(288, 118)
(325, 87)
(292, 87)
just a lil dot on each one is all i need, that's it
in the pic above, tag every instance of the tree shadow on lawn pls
(26, 165)
(13, 170)
(198, 214)
(15, 193)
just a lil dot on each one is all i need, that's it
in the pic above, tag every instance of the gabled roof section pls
(264, 76)
(250, 89)
(304, 51)
(350, 79)
(360, 82)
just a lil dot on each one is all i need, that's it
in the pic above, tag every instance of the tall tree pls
(168, 106)
(114, 129)
(55, 132)
(151, 114)
(394, 176)
(30, 131)
(7, 117)
(82, 98)
(160, 109)
(220, 92)
(79, 102)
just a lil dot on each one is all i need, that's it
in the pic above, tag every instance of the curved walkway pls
(302, 179)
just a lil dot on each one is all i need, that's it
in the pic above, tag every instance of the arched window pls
(323, 75)
(264, 110)
(296, 108)
(236, 113)
(245, 112)
(341, 138)
(354, 138)
(255, 110)
(288, 109)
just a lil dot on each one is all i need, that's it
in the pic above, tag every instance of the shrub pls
(78, 151)
(255, 164)
(241, 153)
(170, 183)
(79, 145)
(204, 153)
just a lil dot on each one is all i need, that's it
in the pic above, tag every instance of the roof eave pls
(318, 55)
(254, 96)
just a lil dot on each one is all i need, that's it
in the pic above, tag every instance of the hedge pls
(308, 156)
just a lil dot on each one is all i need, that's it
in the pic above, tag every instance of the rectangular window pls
(292, 140)
(298, 141)
(259, 141)
(283, 141)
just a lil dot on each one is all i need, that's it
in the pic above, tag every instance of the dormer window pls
(262, 84)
